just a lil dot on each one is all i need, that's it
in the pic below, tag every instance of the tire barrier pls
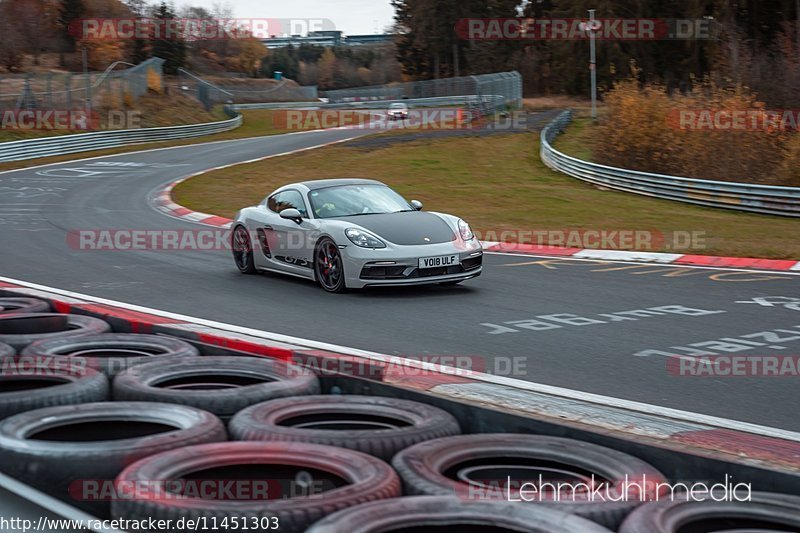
(69, 451)
(27, 384)
(74, 447)
(372, 424)
(476, 467)
(23, 305)
(765, 512)
(420, 512)
(341, 478)
(221, 385)
(21, 329)
(112, 353)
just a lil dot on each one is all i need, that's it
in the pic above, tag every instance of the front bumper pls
(368, 268)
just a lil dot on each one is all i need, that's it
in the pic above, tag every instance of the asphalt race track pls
(591, 326)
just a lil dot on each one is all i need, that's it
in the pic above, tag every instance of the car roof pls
(338, 182)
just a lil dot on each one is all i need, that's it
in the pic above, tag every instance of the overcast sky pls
(350, 16)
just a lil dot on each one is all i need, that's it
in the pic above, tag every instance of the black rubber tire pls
(21, 329)
(781, 511)
(149, 348)
(341, 285)
(281, 379)
(262, 422)
(459, 515)
(367, 477)
(71, 384)
(10, 305)
(422, 468)
(59, 467)
(246, 264)
(6, 351)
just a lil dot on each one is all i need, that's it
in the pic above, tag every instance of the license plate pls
(440, 261)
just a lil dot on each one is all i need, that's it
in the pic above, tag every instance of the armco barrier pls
(770, 200)
(98, 140)
(495, 101)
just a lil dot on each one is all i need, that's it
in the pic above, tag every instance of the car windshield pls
(349, 200)
(397, 106)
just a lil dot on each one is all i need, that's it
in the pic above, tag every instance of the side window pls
(287, 200)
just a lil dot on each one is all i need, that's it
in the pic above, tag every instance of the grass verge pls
(497, 183)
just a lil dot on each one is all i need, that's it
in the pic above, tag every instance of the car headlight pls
(465, 230)
(364, 239)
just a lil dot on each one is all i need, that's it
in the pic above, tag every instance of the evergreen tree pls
(170, 48)
(70, 11)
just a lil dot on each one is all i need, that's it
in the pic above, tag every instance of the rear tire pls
(243, 250)
(329, 266)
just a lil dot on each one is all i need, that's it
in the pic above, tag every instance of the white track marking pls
(661, 265)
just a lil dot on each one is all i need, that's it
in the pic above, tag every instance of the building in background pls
(328, 38)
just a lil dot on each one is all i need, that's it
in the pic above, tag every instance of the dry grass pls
(545, 103)
(497, 183)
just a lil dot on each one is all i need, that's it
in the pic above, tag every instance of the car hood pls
(407, 229)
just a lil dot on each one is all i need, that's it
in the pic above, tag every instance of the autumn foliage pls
(640, 131)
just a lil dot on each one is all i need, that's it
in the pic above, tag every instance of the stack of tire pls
(138, 426)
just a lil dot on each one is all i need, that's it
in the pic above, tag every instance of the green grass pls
(577, 139)
(497, 183)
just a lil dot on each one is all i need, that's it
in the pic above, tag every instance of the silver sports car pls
(353, 233)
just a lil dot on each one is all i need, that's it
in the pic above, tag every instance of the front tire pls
(328, 266)
(242, 250)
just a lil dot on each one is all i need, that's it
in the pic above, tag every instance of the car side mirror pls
(292, 214)
(416, 204)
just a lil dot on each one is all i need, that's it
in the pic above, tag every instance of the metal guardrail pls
(471, 100)
(507, 84)
(765, 199)
(98, 140)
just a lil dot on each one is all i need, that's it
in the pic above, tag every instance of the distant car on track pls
(397, 111)
(353, 233)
